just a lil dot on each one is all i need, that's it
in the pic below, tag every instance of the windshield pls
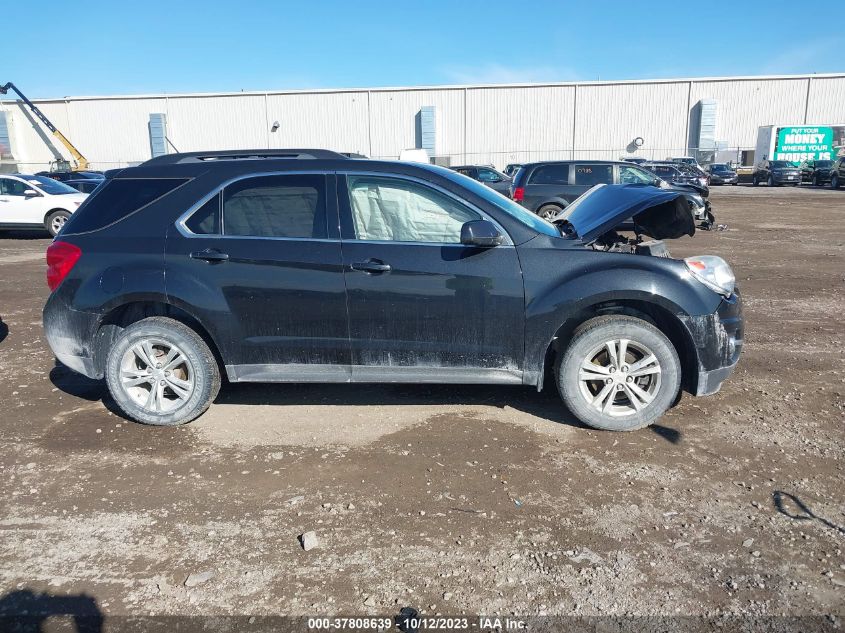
(48, 185)
(718, 167)
(507, 205)
(782, 164)
(824, 163)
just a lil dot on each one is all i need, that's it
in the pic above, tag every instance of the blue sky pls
(155, 46)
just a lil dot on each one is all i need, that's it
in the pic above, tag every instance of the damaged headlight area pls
(714, 272)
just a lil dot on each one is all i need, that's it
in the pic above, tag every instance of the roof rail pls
(242, 154)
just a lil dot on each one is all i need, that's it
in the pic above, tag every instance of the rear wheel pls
(548, 211)
(161, 372)
(619, 373)
(55, 221)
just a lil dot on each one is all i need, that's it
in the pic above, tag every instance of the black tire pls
(771, 181)
(734, 184)
(199, 369)
(589, 339)
(755, 181)
(834, 181)
(548, 211)
(55, 220)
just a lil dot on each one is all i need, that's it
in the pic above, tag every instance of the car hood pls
(656, 212)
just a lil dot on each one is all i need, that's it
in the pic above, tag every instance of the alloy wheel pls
(157, 375)
(619, 378)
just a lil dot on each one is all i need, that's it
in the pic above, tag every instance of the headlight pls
(714, 272)
(696, 199)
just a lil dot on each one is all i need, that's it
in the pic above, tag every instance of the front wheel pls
(619, 373)
(159, 371)
(816, 182)
(548, 211)
(55, 221)
(771, 181)
(755, 181)
(834, 181)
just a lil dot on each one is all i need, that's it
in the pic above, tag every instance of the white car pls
(36, 202)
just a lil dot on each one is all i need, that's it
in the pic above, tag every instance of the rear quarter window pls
(118, 199)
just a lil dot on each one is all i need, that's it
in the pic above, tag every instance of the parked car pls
(815, 171)
(721, 174)
(36, 202)
(637, 160)
(63, 176)
(496, 180)
(684, 160)
(680, 174)
(511, 169)
(85, 186)
(837, 173)
(549, 187)
(776, 172)
(318, 268)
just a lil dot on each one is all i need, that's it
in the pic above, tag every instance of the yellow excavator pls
(81, 161)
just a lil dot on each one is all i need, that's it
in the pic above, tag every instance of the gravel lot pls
(450, 499)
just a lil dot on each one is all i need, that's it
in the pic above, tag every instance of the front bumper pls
(786, 179)
(718, 340)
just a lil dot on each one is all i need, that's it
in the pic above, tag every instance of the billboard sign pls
(796, 144)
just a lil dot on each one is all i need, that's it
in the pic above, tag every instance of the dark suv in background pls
(306, 266)
(775, 173)
(837, 173)
(816, 172)
(722, 174)
(549, 187)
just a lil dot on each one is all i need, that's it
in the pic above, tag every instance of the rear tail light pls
(61, 258)
(519, 194)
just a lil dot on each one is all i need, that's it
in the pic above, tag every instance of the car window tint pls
(276, 206)
(11, 187)
(116, 199)
(206, 219)
(390, 209)
(488, 175)
(634, 175)
(589, 175)
(550, 175)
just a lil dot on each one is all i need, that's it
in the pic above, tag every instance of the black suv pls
(816, 172)
(306, 266)
(775, 173)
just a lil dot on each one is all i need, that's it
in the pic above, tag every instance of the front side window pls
(634, 175)
(11, 187)
(591, 175)
(395, 210)
(292, 206)
(488, 175)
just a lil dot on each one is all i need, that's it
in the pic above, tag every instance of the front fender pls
(590, 278)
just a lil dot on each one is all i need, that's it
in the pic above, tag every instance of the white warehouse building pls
(491, 124)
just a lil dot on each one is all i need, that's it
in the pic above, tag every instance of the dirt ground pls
(454, 500)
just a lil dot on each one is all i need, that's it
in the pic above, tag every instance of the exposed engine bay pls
(612, 242)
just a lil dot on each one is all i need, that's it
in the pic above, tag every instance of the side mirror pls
(31, 193)
(481, 233)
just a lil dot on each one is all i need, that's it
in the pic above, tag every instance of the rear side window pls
(550, 175)
(206, 219)
(117, 199)
(291, 206)
(590, 175)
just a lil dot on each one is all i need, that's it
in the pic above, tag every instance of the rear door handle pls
(210, 255)
(371, 266)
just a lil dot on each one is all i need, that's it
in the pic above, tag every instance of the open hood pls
(658, 213)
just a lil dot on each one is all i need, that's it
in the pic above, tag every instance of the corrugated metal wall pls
(481, 124)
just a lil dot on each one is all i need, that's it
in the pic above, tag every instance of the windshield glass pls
(782, 164)
(824, 163)
(718, 167)
(507, 205)
(48, 185)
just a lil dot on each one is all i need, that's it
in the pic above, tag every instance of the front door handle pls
(371, 266)
(210, 255)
